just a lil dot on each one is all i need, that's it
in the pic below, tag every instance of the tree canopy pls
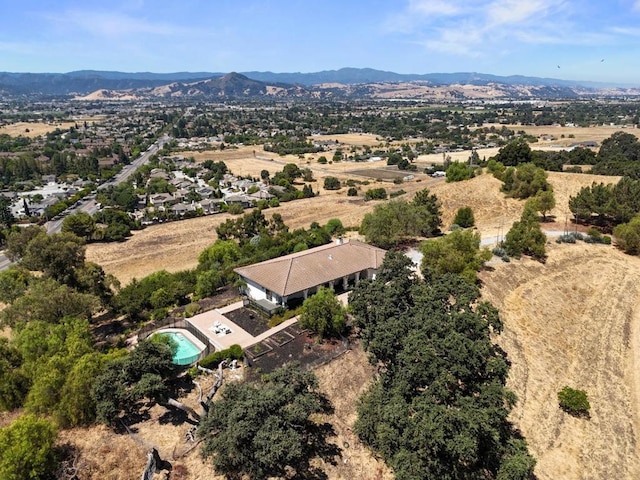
(525, 236)
(458, 172)
(523, 181)
(323, 314)
(268, 429)
(628, 236)
(459, 252)
(27, 449)
(128, 379)
(398, 220)
(515, 153)
(440, 406)
(464, 217)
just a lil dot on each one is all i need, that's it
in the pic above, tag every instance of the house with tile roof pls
(292, 278)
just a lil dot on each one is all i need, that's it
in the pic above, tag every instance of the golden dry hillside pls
(176, 246)
(574, 321)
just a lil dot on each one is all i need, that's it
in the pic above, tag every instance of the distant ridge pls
(354, 82)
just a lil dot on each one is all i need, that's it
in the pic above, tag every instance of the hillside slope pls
(574, 321)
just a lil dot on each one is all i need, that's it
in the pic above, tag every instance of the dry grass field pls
(571, 321)
(357, 139)
(32, 130)
(574, 321)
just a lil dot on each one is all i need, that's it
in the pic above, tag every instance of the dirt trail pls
(570, 322)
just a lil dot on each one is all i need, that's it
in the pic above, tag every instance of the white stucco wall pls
(255, 291)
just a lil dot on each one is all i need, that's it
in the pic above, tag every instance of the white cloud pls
(488, 26)
(434, 7)
(510, 12)
(112, 24)
(627, 31)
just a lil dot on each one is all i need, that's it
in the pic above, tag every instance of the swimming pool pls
(188, 352)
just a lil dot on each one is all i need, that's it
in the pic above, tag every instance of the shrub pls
(334, 227)
(594, 232)
(277, 319)
(352, 192)
(464, 217)
(375, 194)
(331, 183)
(566, 238)
(458, 172)
(499, 251)
(159, 313)
(191, 309)
(27, 449)
(397, 194)
(323, 314)
(574, 402)
(234, 352)
(235, 209)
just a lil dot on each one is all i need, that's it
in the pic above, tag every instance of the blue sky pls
(503, 37)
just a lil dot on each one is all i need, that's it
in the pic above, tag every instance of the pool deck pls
(209, 322)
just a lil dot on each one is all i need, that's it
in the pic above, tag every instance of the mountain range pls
(337, 84)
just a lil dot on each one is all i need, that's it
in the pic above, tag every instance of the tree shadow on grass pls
(175, 416)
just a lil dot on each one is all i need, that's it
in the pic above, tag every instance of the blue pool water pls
(187, 352)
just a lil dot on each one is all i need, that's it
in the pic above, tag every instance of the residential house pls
(292, 278)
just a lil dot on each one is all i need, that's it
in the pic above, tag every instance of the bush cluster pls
(574, 401)
(234, 352)
(502, 253)
(593, 236)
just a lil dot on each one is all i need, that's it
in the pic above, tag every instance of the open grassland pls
(175, 246)
(32, 130)
(571, 134)
(357, 139)
(574, 321)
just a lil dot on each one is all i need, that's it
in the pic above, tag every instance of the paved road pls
(4, 261)
(89, 204)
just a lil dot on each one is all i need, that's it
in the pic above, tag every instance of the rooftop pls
(307, 269)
